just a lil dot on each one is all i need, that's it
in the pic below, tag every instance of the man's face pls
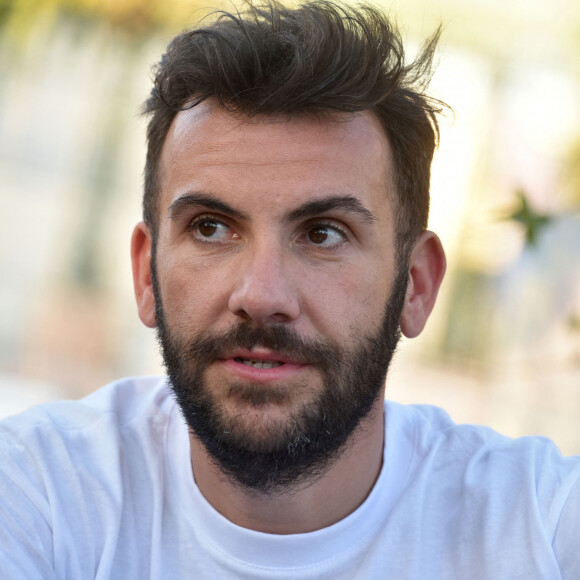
(273, 270)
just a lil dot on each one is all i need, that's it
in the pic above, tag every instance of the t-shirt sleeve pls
(25, 528)
(567, 537)
(81, 482)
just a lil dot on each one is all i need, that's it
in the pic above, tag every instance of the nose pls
(264, 292)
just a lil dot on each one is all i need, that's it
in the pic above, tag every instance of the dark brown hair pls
(315, 58)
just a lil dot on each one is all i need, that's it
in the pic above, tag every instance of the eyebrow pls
(180, 205)
(309, 209)
(346, 203)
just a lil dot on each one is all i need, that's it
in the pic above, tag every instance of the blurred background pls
(503, 345)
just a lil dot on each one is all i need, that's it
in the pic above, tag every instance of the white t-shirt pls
(103, 488)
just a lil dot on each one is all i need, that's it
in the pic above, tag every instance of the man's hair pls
(316, 58)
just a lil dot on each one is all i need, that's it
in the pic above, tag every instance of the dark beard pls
(282, 457)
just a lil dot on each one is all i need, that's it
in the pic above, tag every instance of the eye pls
(210, 230)
(325, 236)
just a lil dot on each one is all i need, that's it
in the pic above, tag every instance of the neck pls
(316, 504)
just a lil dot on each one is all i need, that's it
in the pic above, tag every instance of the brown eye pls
(207, 228)
(326, 236)
(318, 235)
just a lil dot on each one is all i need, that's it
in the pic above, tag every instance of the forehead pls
(210, 150)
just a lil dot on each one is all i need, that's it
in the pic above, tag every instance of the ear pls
(426, 270)
(141, 244)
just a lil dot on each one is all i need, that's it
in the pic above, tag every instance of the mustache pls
(276, 337)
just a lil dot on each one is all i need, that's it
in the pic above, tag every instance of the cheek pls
(193, 294)
(349, 300)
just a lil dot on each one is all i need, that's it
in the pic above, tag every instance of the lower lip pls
(261, 375)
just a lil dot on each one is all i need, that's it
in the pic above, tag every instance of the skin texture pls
(240, 240)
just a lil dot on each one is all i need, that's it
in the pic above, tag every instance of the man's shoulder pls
(118, 406)
(130, 397)
(431, 427)
(462, 454)
(483, 488)
(125, 398)
(101, 433)
(71, 471)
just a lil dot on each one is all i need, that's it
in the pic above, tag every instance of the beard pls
(282, 455)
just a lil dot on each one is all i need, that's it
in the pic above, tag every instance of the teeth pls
(259, 364)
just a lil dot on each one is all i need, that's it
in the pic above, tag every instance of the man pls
(283, 249)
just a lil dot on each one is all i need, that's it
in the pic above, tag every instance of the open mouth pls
(259, 364)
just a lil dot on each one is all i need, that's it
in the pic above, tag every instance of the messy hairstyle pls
(315, 58)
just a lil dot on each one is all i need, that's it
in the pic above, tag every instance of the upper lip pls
(262, 355)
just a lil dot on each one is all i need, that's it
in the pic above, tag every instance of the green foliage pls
(532, 221)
